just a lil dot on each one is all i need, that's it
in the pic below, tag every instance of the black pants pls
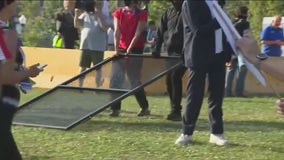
(128, 71)
(8, 148)
(174, 88)
(215, 73)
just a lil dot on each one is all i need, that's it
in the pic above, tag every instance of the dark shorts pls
(89, 56)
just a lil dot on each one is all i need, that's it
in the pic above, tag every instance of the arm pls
(103, 25)
(98, 10)
(140, 28)
(58, 24)
(267, 42)
(8, 73)
(116, 34)
(58, 18)
(77, 22)
(265, 38)
(159, 39)
(272, 65)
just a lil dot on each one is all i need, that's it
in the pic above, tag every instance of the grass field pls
(252, 126)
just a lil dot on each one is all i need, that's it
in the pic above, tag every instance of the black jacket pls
(199, 36)
(65, 26)
(241, 24)
(171, 23)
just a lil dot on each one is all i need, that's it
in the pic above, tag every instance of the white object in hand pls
(41, 66)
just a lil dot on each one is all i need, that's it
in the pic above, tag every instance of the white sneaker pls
(218, 139)
(183, 140)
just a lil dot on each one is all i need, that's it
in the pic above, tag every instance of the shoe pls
(183, 140)
(143, 112)
(218, 139)
(173, 116)
(114, 113)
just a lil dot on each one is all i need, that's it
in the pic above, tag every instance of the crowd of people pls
(193, 33)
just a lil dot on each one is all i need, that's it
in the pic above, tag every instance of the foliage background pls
(40, 25)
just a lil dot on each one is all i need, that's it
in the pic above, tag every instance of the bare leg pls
(81, 79)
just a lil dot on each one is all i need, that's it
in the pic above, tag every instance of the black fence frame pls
(125, 94)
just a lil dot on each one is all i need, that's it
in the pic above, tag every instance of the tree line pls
(40, 24)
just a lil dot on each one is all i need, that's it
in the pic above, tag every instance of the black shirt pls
(171, 23)
(241, 25)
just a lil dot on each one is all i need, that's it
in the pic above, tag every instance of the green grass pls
(252, 126)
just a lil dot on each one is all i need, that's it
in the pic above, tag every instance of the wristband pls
(260, 57)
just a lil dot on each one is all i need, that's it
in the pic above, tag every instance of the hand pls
(128, 51)
(228, 64)
(116, 54)
(33, 70)
(280, 106)
(151, 42)
(78, 11)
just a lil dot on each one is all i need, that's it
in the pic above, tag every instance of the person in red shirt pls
(130, 22)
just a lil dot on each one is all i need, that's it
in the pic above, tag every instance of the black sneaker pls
(173, 116)
(114, 113)
(143, 112)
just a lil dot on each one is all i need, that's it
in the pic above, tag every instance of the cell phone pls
(41, 66)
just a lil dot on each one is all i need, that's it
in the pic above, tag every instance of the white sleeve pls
(2, 56)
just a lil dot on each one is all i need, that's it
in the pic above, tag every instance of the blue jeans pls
(241, 72)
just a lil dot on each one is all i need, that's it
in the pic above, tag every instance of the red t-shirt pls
(128, 22)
